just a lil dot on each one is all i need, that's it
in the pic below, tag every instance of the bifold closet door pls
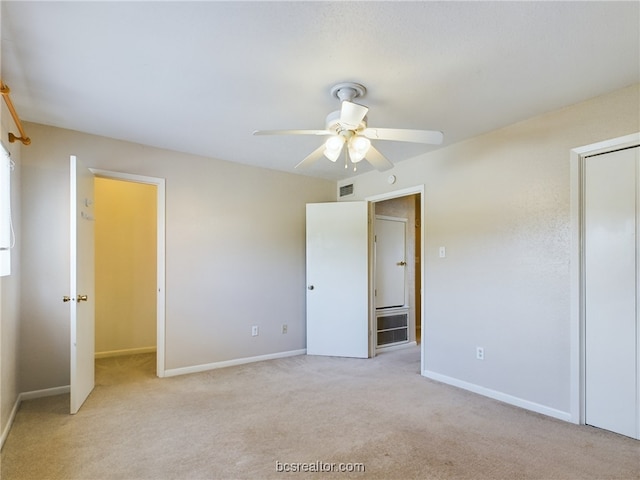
(610, 281)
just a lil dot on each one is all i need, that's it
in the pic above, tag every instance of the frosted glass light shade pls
(333, 147)
(358, 147)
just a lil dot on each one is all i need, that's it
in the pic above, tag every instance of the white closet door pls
(390, 261)
(610, 236)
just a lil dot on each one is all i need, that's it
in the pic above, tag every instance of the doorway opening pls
(130, 296)
(407, 205)
(125, 273)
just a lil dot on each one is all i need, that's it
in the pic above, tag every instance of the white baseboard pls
(128, 351)
(503, 397)
(12, 417)
(47, 392)
(230, 363)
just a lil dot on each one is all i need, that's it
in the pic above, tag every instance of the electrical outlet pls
(254, 331)
(480, 353)
(284, 328)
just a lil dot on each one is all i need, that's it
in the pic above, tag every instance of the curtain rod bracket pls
(13, 138)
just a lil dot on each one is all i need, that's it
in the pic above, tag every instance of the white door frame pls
(160, 266)
(418, 189)
(578, 354)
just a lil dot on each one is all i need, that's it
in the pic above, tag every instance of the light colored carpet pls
(238, 422)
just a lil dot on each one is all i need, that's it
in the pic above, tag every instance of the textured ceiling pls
(200, 77)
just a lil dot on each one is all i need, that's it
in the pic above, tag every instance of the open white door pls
(82, 299)
(338, 279)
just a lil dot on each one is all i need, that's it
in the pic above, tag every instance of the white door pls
(611, 276)
(338, 279)
(390, 262)
(82, 298)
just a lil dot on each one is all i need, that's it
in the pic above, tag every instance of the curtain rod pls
(4, 90)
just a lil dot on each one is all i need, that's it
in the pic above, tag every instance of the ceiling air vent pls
(346, 190)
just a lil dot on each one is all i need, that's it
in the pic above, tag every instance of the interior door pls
(610, 291)
(338, 279)
(82, 299)
(390, 263)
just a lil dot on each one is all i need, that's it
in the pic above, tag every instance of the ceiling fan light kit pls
(349, 126)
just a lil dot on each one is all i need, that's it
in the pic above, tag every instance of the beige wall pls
(125, 236)
(499, 203)
(235, 242)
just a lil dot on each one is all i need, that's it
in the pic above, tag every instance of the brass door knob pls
(66, 299)
(82, 298)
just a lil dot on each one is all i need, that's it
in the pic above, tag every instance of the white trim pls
(418, 189)
(12, 417)
(577, 361)
(47, 392)
(496, 395)
(608, 145)
(128, 351)
(396, 194)
(161, 248)
(400, 346)
(230, 363)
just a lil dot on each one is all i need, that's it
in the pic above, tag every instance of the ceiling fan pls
(348, 126)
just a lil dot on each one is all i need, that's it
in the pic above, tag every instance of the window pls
(6, 239)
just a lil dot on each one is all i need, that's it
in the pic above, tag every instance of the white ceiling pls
(200, 77)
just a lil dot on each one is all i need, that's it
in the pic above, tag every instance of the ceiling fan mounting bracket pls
(348, 91)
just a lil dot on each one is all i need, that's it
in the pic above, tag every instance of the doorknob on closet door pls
(401, 264)
(82, 298)
(310, 287)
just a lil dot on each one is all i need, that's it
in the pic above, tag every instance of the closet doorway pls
(605, 285)
(129, 266)
(610, 250)
(388, 321)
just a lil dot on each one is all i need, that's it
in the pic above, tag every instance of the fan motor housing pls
(333, 124)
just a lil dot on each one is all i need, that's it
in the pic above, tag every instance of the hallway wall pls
(125, 235)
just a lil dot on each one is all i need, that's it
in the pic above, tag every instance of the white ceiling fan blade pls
(312, 157)
(379, 161)
(352, 114)
(432, 137)
(293, 132)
